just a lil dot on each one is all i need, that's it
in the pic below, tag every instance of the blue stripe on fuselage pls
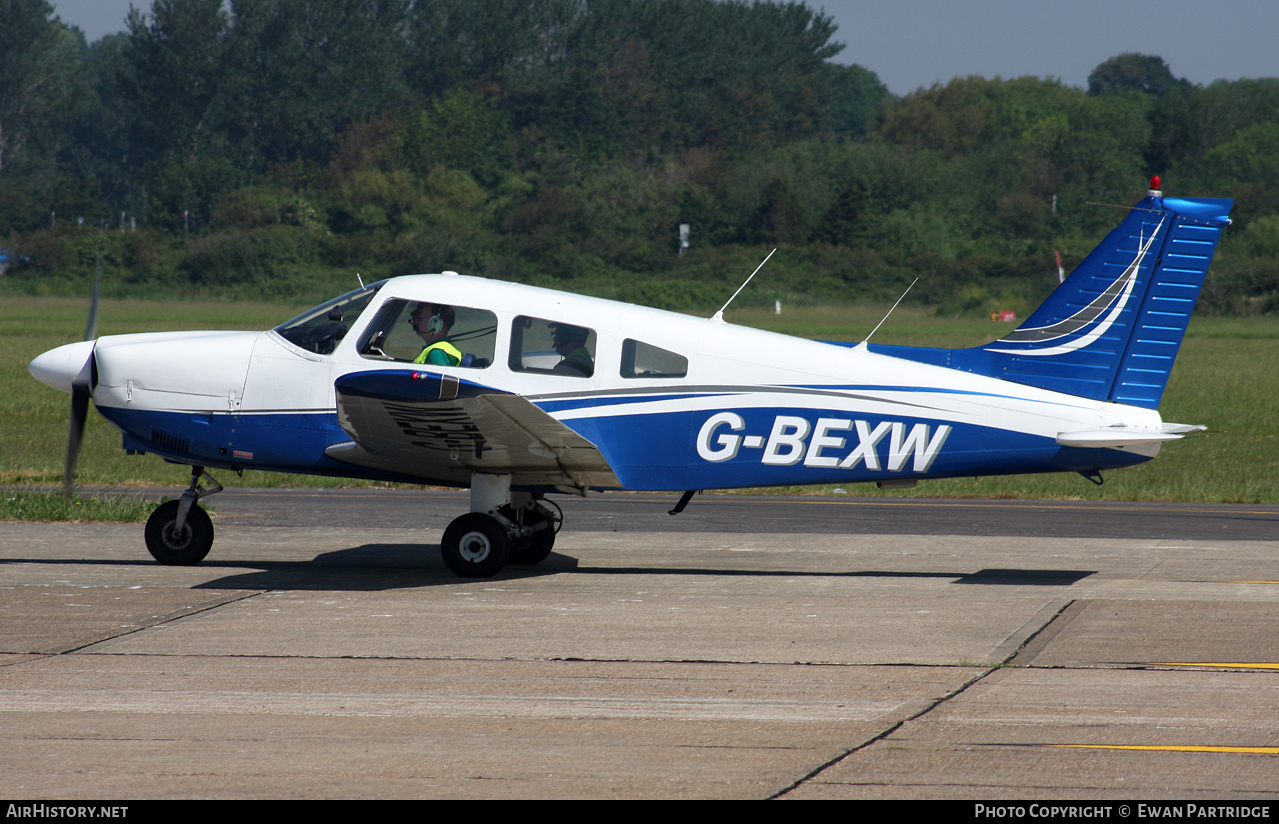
(773, 446)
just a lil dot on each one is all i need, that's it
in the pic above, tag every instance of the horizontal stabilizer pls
(1112, 438)
(1118, 436)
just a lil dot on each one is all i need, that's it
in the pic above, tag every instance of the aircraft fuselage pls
(750, 408)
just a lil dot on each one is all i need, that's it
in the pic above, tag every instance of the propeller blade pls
(82, 387)
(75, 434)
(81, 392)
(91, 328)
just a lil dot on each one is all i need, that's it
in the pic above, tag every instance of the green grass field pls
(1225, 378)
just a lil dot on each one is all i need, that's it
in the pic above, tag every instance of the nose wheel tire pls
(475, 546)
(172, 547)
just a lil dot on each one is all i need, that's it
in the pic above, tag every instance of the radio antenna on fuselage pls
(890, 311)
(718, 317)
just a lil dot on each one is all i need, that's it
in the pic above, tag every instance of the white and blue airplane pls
(520, 392)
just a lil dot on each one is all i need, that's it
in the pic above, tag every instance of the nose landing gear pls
(180, 533)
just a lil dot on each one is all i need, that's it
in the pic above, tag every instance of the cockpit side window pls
(321, 329)
(433, 334)
(552, 347)
(644, 360)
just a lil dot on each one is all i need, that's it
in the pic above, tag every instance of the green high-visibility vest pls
(440, 353)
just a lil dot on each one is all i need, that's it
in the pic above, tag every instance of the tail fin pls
(1112, 329)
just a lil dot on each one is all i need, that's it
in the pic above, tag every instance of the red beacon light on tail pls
(1154, 187)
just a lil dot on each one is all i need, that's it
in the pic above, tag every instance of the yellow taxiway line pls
(1169, 748)
(1212, 664)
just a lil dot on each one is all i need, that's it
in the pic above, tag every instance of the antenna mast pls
(718, 317)
(890, 311)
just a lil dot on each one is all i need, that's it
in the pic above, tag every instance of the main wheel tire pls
(475, 546)
(173, 548)
(535, 548)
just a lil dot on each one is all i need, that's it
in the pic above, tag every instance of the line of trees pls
(277, 147)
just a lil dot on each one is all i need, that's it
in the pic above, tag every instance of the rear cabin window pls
(552, 347)
(408, 331)
(644, 360)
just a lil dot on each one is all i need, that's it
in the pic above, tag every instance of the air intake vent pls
(170, 443)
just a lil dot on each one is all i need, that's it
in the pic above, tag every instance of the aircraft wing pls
(441, 429)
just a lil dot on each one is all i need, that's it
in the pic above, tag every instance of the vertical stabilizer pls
(1112, 329)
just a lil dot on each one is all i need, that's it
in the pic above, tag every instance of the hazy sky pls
(913, 43)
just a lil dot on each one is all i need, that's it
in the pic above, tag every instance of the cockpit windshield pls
(321, 329)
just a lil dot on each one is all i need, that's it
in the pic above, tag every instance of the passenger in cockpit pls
(570, 343)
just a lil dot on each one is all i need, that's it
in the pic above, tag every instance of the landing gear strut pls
(502, 527)
(536, 525)
(180, 533)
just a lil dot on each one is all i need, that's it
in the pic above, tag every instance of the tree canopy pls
(272, 147)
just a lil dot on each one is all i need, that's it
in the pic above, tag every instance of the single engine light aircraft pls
(520, 392)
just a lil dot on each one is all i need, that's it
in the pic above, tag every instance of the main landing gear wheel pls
(172, 547)
(475, 546)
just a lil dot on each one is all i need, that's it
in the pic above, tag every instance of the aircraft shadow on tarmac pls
(372, 567)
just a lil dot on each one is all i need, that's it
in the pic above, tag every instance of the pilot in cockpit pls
(432, 323)
(570, 343)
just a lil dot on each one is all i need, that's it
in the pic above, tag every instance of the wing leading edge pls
(441, 429)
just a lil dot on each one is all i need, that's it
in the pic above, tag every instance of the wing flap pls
(440, 428)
